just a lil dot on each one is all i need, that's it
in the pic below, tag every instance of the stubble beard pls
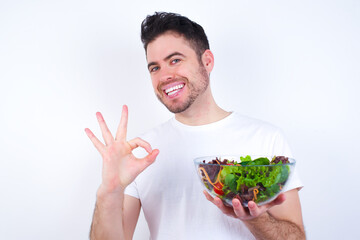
(195, 90)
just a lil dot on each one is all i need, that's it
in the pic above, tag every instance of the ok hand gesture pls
(120, 166)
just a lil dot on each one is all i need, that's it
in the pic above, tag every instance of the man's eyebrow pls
(151, 64)
(167, 58)
(174, 54)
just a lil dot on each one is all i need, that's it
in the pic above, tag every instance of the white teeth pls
(171, 93)
(170, 90)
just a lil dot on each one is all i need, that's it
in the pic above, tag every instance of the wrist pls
(263, 218)
(110, 192)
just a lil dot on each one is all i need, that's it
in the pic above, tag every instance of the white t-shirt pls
(170, 191)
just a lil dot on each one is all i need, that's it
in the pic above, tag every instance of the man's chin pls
(177, 108)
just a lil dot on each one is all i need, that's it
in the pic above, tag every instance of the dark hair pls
(161, 22)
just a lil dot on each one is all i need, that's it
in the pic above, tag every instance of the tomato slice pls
(218, 189)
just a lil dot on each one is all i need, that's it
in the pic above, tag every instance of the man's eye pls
(175, 61)
(154, 69)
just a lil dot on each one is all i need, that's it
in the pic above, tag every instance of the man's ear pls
(208, 60)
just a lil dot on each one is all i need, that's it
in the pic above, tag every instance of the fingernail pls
(236, 204)
(88, 132)
(99, 116)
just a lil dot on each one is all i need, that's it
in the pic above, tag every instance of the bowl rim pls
(199, 160)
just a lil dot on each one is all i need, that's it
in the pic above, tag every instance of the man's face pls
(177, 75)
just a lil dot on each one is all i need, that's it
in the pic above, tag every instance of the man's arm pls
(115, 214)
(280, 219)
(132, 207)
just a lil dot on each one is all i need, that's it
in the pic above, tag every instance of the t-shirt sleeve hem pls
(132, 191)
(294, 183)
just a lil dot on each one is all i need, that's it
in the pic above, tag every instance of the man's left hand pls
(238, 211)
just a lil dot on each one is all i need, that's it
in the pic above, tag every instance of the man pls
(180, 63)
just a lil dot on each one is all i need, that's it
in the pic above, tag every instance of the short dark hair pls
(161, 22)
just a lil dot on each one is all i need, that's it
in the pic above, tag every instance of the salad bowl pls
(248, 178)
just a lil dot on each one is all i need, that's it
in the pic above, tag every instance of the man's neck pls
(203, 111)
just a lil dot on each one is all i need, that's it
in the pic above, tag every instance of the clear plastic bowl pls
(258, 183)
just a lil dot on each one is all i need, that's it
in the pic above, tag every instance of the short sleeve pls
(294, 182)
(132, 190)
(282, 148)
(280, 145)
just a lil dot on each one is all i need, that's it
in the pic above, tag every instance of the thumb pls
(149, 159)
(279, 200)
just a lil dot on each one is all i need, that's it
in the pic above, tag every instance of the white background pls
(295, 64)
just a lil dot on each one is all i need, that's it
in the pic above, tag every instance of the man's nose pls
(167, 74)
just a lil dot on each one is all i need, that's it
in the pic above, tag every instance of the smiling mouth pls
(174, 89)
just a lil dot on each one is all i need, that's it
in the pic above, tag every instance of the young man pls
(180, 63)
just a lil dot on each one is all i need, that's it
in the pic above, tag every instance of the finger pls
(257, 211)
(254, 209)
(217, 202)
(138, 142)
(98, 145)
(208, 196)
(227, 210)
(149, 159)
(108, 138)
(239, 210)
(122, 129)
(279, 200)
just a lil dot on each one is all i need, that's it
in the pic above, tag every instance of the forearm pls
(267, 227)
(107, 223)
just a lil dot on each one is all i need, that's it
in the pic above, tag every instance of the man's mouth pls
(174, 89)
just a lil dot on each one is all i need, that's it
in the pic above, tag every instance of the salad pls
(257, 180)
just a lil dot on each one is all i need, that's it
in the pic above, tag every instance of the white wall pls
(293, 63)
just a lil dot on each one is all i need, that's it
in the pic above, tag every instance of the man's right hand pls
(120, 166)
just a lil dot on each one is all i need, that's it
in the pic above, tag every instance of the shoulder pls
(266, 137)
(254, 124)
